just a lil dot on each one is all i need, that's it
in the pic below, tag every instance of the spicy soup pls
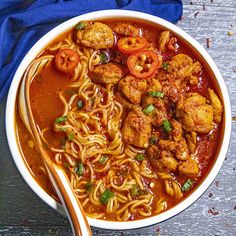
(131, 114)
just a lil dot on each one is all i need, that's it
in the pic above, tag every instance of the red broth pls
(47, 106)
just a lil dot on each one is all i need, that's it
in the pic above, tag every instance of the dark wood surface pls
(23, 213)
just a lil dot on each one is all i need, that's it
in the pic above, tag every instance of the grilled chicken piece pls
(159, 114)
(163, 40)
(189, 168)
(167, 162)
(126, 30)
(217, 106)
(132, 88)
(183, 67)
(191, 141)
(96, 35)
(153, 84)
(195, 113)
(137, 128)
(107, 74)
(162, 161)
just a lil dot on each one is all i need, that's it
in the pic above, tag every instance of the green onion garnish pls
(167, 126)
(103, 159)
(187, 185)
(71, 136)
(156, 94)
(79, 168)
(148, 109)
(134, 190)
(106, 195)
(153, 140)
(67, 165)
(88, 186)
(165, 65)
(60, 119)
(103, 58)
(80, 104)
(140, 157)
(81, 25)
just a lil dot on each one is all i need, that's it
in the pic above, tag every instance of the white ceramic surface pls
(11, 129)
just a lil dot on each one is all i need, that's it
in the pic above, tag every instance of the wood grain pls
(23, 213)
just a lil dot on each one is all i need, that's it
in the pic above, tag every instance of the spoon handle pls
(75, 213)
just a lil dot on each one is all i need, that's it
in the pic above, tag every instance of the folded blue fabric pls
(23, 22)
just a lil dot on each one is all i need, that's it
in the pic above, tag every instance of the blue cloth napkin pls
(23, 22)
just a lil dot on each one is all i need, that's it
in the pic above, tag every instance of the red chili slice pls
(144, 64)
(129, 45)
(66, 60)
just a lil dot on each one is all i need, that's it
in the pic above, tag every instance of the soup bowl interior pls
(109, 14)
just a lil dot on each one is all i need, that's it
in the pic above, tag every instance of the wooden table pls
(23, 213)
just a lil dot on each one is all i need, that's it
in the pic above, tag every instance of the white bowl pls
(43, 42)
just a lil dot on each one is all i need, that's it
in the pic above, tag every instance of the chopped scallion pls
(167, 126)
(187, 185)
(148, 109)
(79, 168)
(71, 136)
(80, 104)
(103, 58)
(67, 165)
(81, 25)
(156, 94)
(140, 157)
(134, 190)
(103, 159)
(106, 195)
(88, 186)
(60, 119)
(165, 65)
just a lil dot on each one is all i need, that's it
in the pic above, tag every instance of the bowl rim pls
(11, 124)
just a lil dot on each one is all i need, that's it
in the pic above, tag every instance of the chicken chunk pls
(132, 88)
(177, 131)
(163, 40)
(96, 35)
(126, 30)
(189, 168)
(217, 106)
(159, 114)
(176, 144)
(195, 113)
(167, 162)
(181, 150)
(182, 66)
(191, 141)
(107, 74)
(153, 84)
(137, 128)
(162, 161)
(167, 145)
(173, 91)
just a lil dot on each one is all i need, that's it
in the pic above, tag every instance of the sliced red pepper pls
(66, 60)
(129, 45)
(144, 64)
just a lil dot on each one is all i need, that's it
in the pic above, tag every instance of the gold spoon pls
(58, 177)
